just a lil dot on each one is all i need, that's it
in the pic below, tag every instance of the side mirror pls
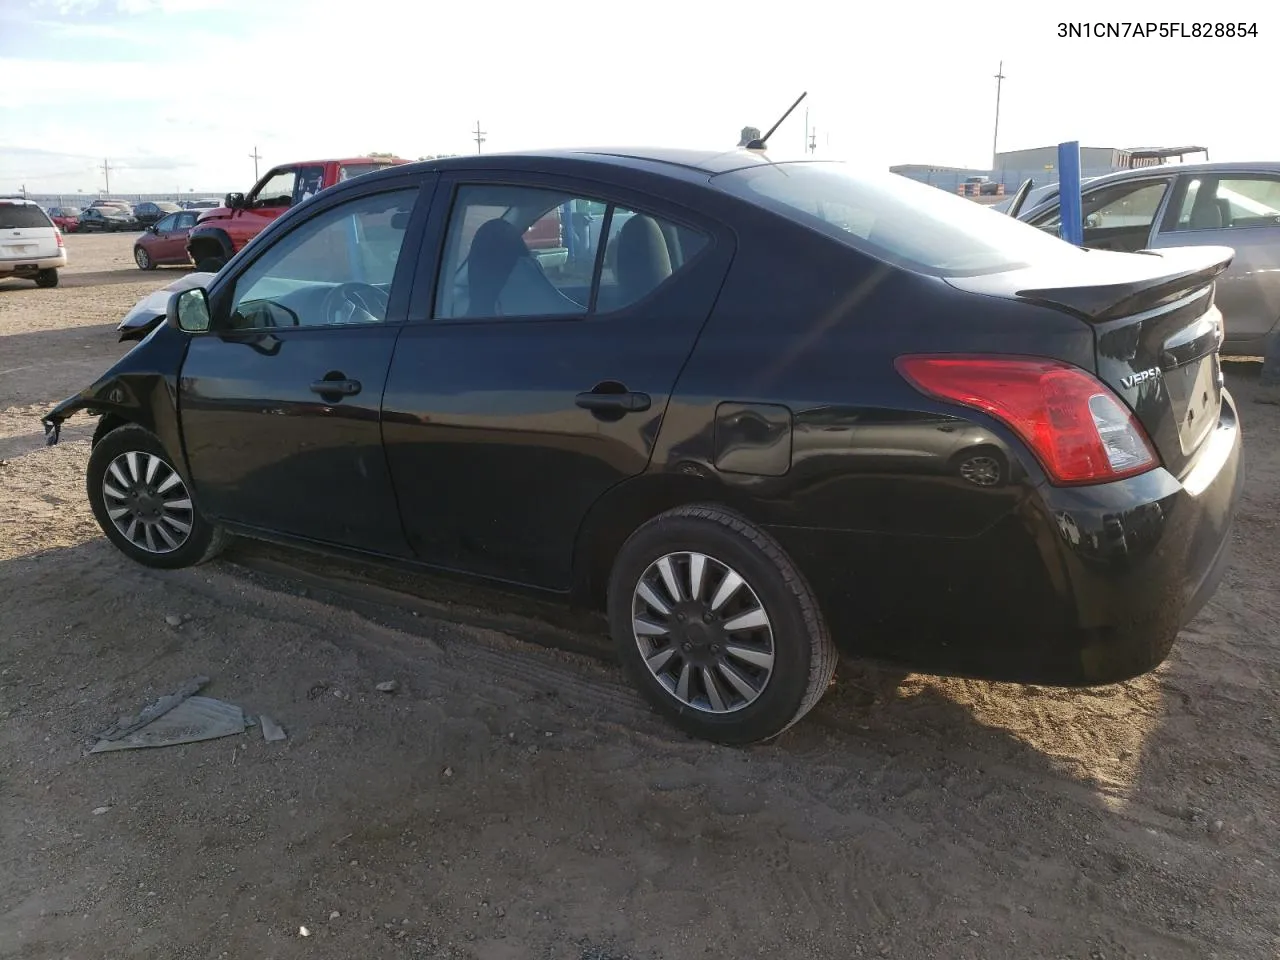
(234, 201)
(189, 311)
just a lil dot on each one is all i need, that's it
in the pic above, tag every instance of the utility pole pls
(479, 137)
(255, 157)
(106, 172)
(813, 140)
(995, 136)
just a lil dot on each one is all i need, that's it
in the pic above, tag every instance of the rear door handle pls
(346, 388)
(614, 402)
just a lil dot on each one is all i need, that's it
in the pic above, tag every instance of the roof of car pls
(706, 161)
(1266, 166)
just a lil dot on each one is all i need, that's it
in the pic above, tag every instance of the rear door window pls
(1217, 203)
(514, 251)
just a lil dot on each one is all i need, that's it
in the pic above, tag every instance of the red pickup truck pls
(223, 231)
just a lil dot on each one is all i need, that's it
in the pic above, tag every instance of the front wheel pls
(143, 504)
(717, 627)
(143, 259)
(47, 278)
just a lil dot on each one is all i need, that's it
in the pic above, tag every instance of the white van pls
(30, 245)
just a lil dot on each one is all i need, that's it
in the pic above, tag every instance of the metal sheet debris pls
(192, 720)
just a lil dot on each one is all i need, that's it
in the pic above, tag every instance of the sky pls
(176, 94)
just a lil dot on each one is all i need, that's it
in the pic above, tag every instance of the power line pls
(479, 137)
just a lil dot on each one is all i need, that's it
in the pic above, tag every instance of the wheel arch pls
(212, 241)
(623, 509)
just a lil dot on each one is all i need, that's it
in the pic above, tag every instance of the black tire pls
(143, 259)
(47, 278)
(210, 264)
(804, 657)
(203, 542)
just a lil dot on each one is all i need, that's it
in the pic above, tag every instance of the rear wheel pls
(717, 627)
(143, 504)
(143, 259)
(47, 278)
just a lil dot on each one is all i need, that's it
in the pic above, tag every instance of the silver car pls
(1233, 205)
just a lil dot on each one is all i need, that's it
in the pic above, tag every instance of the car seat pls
(644, 261)
(504, 278)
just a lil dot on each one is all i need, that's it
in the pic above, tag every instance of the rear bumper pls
(1077, 587)
(32, 265)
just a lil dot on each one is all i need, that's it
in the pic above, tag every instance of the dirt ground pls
(515, 800)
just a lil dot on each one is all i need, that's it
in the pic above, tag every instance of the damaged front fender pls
(141, 388)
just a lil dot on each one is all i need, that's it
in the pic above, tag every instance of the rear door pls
(1239, 210)
(515, 398)
(279, 403)
(26, 232)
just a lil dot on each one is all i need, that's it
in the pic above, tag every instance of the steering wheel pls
(355, 303)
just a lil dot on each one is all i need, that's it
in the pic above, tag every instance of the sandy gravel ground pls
(514, 800)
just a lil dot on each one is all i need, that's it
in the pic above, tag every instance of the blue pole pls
(1070, 220)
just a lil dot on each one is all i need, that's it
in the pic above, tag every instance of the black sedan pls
(106, 220)
(805, 411)
(152, 211)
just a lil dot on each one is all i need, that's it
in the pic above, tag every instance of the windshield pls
(895, 219)
(22, 216)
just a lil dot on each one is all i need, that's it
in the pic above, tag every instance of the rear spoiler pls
(1177, 272)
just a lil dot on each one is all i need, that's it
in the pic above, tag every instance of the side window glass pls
(277, 191)
(506, 254)
(310, 182)
(335, 268)
(1124, 205)
(166, 224)
(641, 253)
(186, 221)
(1221, 203)
(530, 252)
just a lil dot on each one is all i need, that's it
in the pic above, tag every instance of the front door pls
(522, 391)
(1242, 211)
(280, 402)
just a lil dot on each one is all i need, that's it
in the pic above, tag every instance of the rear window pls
(22, 216)
(895, 219)
(349, 170)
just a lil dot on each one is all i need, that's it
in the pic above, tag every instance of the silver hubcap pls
(141, 256)
(984, 471)
(147, 502)
(703, 632)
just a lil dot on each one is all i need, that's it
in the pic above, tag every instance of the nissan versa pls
(795, 410)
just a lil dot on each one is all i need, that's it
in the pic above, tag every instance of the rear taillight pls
(1078, 429)
(58, 234)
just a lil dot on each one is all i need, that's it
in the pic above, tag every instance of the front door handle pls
(614, 402)
(345, 388)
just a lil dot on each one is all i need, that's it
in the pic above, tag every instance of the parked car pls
(106, 220)
(66, 219)
(31, 247)
(222, 232)
(107, 202)
(208, 204)
(747, 443)
(151, 211)
(1035, 197)
(165, 242)
(1236, 205)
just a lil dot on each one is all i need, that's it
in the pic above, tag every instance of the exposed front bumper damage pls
(54, 419)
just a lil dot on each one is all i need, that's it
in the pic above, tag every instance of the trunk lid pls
(1156, 332)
